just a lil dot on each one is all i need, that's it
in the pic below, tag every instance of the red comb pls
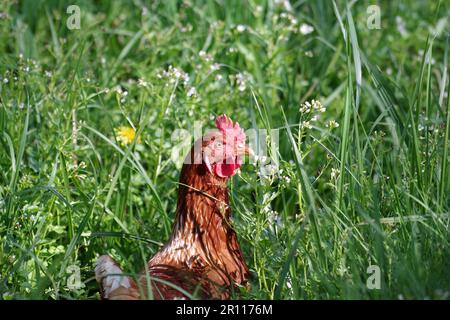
(225, 124)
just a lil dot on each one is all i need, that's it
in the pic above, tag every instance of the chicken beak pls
(245, 151)
(248, 151)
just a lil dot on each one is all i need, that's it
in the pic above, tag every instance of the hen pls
(202, 256)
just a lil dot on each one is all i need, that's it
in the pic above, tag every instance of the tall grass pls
(371, 192)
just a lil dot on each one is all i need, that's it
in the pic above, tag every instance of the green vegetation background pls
(373, 191)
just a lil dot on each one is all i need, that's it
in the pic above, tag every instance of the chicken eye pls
(219, 144)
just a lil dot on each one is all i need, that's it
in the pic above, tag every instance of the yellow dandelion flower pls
(125, 135)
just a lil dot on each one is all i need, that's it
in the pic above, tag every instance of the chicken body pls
(202, 256)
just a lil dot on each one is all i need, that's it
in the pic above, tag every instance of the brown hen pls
(202, 258)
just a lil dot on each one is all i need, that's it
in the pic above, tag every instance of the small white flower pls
(5, 80)
(142, 83)
(215, 67)
(241, 28)
(191, 92)
(306, 124)
(204, 56)
(186, 28)
(306, 29)
(401, 26)
(332, 124)
(304, 108)
(174, 75)
(269, 170)
(241, 81)
(334, 173)
(288, 283)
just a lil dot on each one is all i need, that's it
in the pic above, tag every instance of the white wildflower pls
(142, 83)
(334, 173)
(215, 67)
(271, 169)
(191, 92)
(174, 75)
(241, 28)
(241, 81)
(287, 179)
(317, 105)
(186, 28)
(258, 10)
(305, 107)
(306, 29)
(332, 124)
(306, 124)
(401, 26)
